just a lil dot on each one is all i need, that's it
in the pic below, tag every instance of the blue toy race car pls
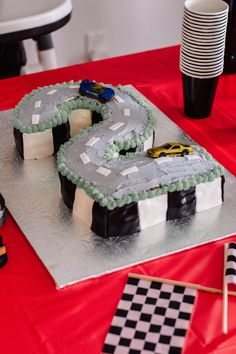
(95, 90)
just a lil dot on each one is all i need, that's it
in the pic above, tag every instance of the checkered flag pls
(230, 267)
(151, 317)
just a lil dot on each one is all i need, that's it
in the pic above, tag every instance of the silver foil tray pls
(66, 246)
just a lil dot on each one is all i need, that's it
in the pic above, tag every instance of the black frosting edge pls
(18, 136)
(67, 191)
(121, 221)
(181, 204)
(60, 133)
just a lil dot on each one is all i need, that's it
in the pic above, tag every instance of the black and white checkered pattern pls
(230, 268)
(151, 317)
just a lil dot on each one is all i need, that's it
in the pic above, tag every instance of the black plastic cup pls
(198, 96)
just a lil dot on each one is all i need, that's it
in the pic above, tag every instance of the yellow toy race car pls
(170, 149)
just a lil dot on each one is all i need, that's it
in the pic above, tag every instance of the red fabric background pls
(34, 316)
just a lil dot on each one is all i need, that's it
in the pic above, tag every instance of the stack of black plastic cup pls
(202, 53)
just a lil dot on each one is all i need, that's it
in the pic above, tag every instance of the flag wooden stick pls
(180, 283)
(225, 294)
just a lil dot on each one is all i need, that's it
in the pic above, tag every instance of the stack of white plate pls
(203, 38)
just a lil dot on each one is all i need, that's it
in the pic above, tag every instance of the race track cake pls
(106, 175)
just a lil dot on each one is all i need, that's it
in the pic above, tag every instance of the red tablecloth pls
(34, 316)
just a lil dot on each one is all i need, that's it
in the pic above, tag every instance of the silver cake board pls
(66, 246)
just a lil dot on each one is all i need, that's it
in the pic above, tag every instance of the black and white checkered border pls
(151, 317)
